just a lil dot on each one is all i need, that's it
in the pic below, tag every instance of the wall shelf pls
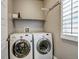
(14, 19)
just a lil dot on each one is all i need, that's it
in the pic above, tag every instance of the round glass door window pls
(21, 48)
(43, 46)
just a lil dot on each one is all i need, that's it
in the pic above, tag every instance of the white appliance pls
(43, 46)
(21, 46)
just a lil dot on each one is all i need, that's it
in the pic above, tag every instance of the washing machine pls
(21, 46)
(43, 46)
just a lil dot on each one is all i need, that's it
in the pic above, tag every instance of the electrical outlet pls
(26, 29)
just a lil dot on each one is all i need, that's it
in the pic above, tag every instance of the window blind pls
(70, 17)
(75, 17)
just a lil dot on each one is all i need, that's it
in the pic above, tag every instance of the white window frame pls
(67, 37)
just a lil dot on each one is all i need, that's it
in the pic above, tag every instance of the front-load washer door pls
(43, 46)
(21, 48)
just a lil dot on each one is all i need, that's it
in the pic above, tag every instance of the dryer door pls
(43, 46)
(21, 48)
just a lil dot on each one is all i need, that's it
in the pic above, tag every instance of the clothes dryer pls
(43, 46)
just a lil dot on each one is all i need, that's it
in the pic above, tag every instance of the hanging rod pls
(57, 3)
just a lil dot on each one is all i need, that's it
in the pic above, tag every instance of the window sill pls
(69, 37)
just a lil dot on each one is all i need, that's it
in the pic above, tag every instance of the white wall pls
(63, 49)
(34, 26)
(10, 11)
(6, 26)
(29, 9)
(4, 29)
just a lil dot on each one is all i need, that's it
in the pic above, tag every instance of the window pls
(69, 22)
